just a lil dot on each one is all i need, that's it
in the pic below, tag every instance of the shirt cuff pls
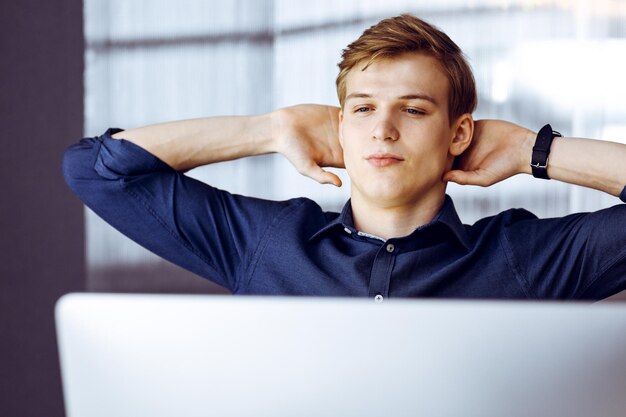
(622, 195)
(119, 158)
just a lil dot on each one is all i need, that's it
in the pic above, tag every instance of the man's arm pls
(306, 135)
(137, 186)
(579, 256)
(501, 149)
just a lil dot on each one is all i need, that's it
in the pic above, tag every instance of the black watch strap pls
(541, 150)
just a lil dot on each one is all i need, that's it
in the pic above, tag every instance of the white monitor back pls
(148, 355)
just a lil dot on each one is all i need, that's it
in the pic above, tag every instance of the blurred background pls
(72, 68)
(149, 61)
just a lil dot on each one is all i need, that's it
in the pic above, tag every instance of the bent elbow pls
(77, 165)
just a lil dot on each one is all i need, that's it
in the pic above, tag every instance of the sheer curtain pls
(535, 62)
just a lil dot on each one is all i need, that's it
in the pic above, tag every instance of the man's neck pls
(388, 221)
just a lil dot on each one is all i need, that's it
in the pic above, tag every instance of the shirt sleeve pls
(580, 256)
(208, 231)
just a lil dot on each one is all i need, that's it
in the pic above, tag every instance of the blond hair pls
(403, 34)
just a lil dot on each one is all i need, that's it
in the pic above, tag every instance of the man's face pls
(395, 131)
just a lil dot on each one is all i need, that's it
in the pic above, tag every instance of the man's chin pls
(387, 197)
(391, 195)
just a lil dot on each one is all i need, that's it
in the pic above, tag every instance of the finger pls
(467, 178)
(322, 176)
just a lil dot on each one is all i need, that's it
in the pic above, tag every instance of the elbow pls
(77, 165)
(68, 168)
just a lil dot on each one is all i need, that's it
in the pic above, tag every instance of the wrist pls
(541, 152)
(279, 121)
(266, 131)
(527, 139)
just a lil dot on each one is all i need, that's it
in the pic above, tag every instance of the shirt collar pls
(343, 221)
(447, 217)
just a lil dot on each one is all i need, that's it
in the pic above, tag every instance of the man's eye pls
(361, 109)
(414, 111)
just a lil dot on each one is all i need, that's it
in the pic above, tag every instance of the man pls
(407, 97)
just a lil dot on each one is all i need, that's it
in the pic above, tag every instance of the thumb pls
(322, 176)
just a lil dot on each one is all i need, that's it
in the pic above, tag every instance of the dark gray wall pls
(41, 235)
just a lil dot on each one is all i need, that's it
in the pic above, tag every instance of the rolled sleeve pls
(208, 231)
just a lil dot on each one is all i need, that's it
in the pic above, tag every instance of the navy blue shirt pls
(255, 246)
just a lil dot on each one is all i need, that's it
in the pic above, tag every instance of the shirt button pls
(378, 299)
(390, 248)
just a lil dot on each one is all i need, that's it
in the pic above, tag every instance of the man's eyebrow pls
(358, 95)
(419, 97)
(416, 96)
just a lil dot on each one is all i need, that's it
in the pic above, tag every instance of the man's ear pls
(463, 131)
(340, 127)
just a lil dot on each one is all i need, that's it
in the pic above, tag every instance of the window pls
(535, 62)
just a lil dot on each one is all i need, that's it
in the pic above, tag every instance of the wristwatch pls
(541, 150)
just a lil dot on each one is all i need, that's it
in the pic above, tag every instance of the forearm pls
(587, 162)
(187, 144)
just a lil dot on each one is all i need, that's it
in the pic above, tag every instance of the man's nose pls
(385, 129)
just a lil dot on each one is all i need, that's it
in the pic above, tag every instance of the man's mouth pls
(384, 159)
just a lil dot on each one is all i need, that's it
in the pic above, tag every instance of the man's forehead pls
(408, 76)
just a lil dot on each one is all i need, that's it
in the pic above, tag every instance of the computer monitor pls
(184, 355)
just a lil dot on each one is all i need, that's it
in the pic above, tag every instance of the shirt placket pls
(381, 272)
